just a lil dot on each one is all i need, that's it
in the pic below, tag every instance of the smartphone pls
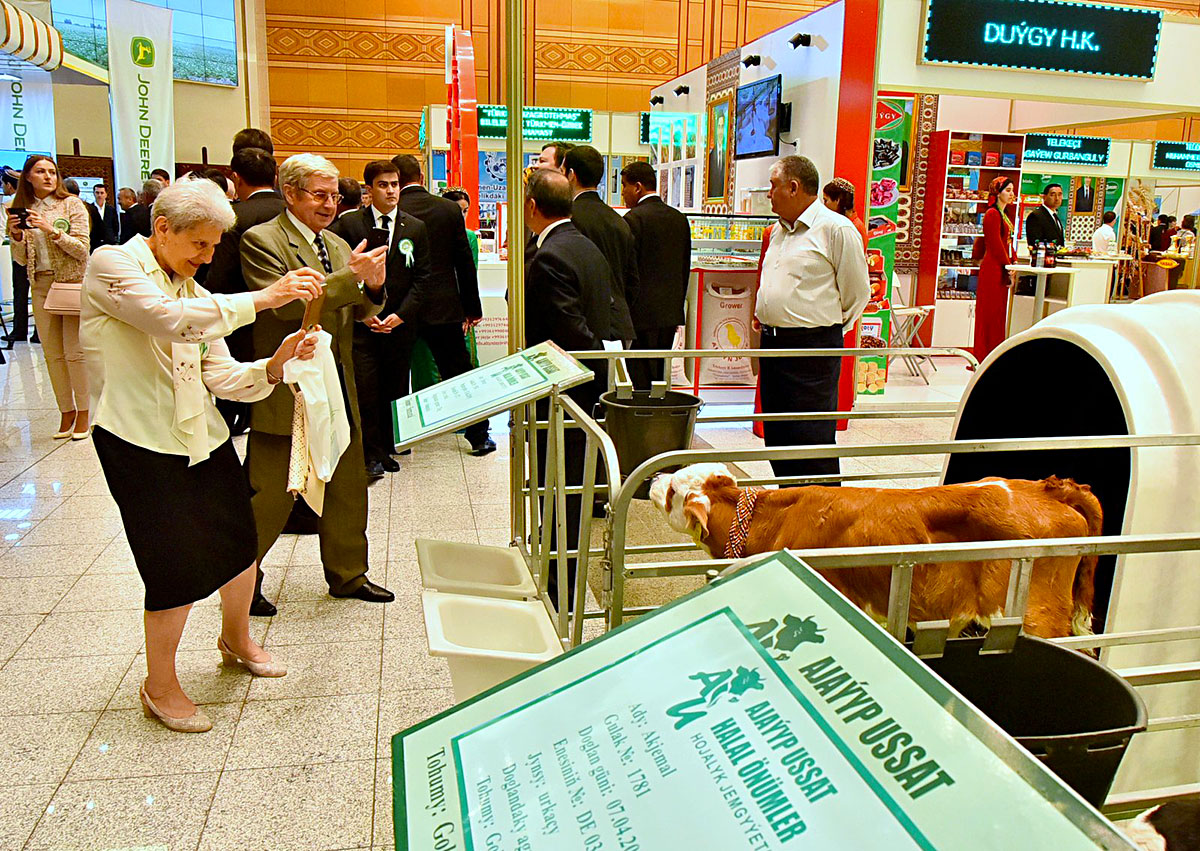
(22, 214)
(312, 311)
(377, 238)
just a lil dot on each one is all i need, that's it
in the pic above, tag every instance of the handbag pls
(64, 298)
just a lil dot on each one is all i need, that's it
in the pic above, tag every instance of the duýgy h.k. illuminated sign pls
(1043, 35)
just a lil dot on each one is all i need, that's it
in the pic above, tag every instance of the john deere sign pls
(142, 50)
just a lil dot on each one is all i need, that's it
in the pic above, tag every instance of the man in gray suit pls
(298, 239)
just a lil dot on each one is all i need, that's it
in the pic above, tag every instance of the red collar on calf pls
(739, 529)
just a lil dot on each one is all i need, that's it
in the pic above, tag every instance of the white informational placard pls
(764, 711)
(141, 90)
(494, 387)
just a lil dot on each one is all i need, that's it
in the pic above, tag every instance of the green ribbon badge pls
(63, 225)
(406, 248)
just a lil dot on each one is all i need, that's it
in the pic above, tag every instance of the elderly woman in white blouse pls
(153, 341)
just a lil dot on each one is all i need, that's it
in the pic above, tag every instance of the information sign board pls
(764, 711)
(1043, 35)
(1179, 156)
(552, 124)
(1066, 150)
(494, 387)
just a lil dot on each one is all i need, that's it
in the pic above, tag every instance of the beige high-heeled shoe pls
(229, 659)
(197, 722)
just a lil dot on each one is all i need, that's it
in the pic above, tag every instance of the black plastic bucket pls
(1071, 712)
(642, 427)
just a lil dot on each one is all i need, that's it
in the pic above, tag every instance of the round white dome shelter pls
(1113, 370)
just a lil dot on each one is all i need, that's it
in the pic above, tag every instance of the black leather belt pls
(776, 331)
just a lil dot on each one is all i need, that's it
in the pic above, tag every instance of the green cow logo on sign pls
(715, 686)
(142, 51)
(794, 632)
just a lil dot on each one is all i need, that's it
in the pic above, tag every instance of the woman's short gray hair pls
(192, 201)
(298, 168)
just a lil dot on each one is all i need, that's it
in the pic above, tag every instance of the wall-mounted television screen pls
(757, 133)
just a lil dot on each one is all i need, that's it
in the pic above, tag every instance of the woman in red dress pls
(991, 295)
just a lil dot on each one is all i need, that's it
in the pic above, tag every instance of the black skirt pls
(191, 529)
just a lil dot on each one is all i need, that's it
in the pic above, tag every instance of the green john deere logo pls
(142, 50)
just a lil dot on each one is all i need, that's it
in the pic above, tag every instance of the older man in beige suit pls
(354, 291)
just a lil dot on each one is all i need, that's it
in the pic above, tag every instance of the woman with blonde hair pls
(156, 356)
(48, 230)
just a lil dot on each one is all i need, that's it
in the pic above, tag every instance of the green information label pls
(537, 122)
(763, 712)
(498, 386)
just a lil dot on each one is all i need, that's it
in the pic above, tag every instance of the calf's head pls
(685, 497)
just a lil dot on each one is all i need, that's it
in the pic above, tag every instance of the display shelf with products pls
(962, 165)
(720, 302)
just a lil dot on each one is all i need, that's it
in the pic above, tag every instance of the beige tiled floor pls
(296, 764)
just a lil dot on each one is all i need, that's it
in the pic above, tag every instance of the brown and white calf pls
(703, 500)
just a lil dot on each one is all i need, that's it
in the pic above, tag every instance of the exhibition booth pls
(920, 134)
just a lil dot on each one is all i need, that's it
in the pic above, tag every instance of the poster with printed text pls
(141, 90)
(762, 712)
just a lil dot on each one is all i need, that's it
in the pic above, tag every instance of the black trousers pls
(449, 351)
(381, 363)
(800, 385)
(20, 285)
(642, 372)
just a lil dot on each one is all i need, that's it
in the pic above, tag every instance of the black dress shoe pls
(484, 447)
(404, 452)
(368, 591)
(35, 338)
(391, 465)
(9, 338)
(375, 470)
(261, 607)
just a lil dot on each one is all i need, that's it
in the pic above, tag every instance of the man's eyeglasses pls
(322, 197)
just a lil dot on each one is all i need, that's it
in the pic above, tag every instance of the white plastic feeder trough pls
(1113, 370)
(484, 571)
(487, 640)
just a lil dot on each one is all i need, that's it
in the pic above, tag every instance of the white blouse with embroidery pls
(155, 353)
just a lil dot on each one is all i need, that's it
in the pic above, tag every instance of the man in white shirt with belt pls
(813, 288)
(1104, 240)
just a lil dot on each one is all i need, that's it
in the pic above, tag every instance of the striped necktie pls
(322, 254)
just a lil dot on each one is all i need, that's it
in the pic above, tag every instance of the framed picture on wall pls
(663, 171)
(689, 186)
(720, 134)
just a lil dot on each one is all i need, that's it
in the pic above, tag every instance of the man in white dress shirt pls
(1104, 240)
(814, 287)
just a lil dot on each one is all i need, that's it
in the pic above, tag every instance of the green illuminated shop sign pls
(1066, 150)
(1043, 35)
(1179, 156)
(538, 122)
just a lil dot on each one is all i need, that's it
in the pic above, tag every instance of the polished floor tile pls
(322, 670)
(142, 812)
(34, 686)
(20, 809)
(41, 748)
(125, 743)
(293, 808)
(305, 731)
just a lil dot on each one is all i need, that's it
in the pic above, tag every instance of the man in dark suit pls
(353, 291)
(108, 215)
(1085, 196)
(604, 226)
(450, 305)
(383, 344)
(568, 300)
(254, 182)
(1043, 224)
(137, 217)
(1158, 240)
(662, 239)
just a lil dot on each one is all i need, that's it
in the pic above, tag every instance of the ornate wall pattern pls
(912, 203)
(722, 81)
(349, 83)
